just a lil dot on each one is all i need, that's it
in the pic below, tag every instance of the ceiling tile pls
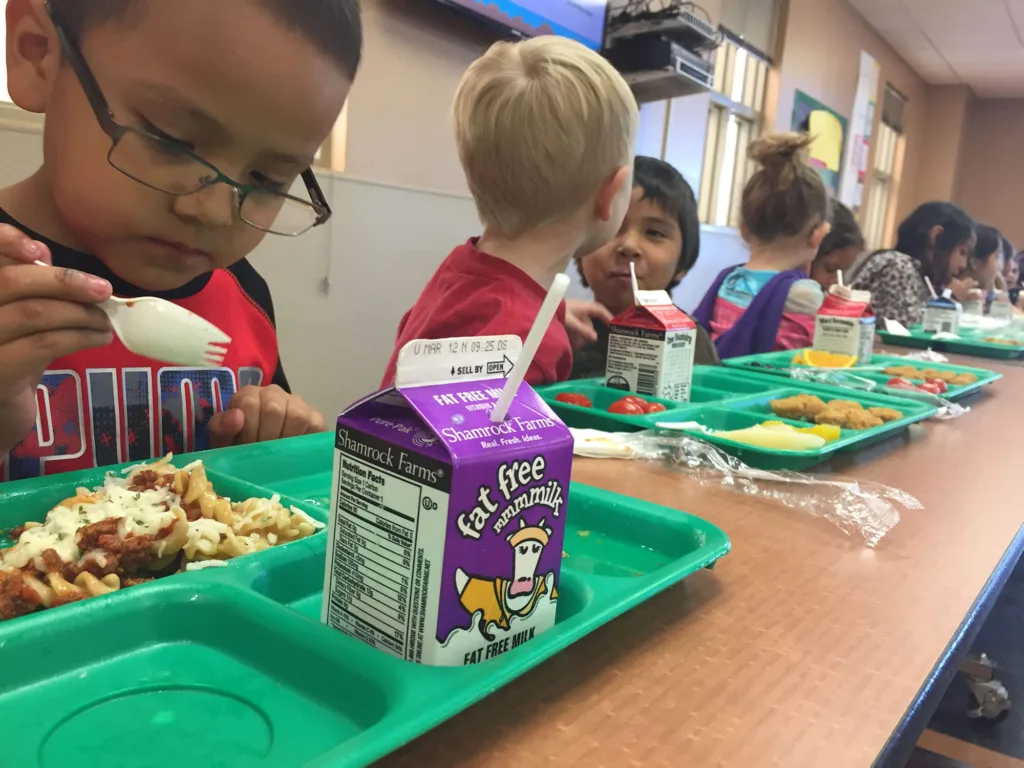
(974, 41)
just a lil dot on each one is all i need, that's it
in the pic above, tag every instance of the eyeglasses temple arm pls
(316, 194)
(92, 89)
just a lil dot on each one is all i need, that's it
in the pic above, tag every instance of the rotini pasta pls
(156, 520)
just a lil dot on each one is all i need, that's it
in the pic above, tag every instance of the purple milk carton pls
(446, 531)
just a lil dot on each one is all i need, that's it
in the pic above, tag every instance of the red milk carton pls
(651, 348)
(846, 324)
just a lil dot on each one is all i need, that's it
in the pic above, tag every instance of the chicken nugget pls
(848, 419)
(963, 379)
(899, 370)
(915, 375)
(930, 373)
(946, 376)
(861, 420)
(834, 416)
(798, 407)
(886, 414)
(845, 405)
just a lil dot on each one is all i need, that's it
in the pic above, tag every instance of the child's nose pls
(215, 206)
(629, 247)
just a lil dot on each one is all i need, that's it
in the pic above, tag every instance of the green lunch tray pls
(970, 343)
(780, 364)
(231, 668)
(712, 385)
(739, 411)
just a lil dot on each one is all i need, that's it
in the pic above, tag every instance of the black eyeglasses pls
(168, 167)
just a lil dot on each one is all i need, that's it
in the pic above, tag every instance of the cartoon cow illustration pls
(500, 599)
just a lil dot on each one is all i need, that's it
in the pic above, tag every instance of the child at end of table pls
(769, 303)
(660, 236)
(985, 263)
(1011, 273)
(545, 131)
(934, 241)
(840, 248)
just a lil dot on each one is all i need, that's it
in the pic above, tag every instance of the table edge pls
(901, 742)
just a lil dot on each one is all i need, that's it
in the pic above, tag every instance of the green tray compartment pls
(170, 675)
(970, 343)
(780, 363)
(760, 411)
(230, 667)
(711, 385)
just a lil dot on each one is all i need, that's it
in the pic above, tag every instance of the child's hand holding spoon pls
(45, 313)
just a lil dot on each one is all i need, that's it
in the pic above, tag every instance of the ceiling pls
(976, 42)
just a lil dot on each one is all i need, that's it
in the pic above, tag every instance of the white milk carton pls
(1002, 309)
(942, 314)
(651, 348)
(845, 324)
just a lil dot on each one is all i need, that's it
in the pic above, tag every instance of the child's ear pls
(745, 233)
(933, 234)
(33, 54)
(818, 234)
(682, 273)
(608, 195)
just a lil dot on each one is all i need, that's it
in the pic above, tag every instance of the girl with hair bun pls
(769, 303)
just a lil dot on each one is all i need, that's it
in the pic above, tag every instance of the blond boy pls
(545, 131)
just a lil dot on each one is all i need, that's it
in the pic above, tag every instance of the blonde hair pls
(786, 197)
(540, 126)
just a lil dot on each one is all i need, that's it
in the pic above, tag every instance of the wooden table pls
(802, 647)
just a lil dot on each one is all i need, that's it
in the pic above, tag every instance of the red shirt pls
(108, 405)
(474, 294)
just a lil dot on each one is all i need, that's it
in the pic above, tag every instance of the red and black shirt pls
(109, 405)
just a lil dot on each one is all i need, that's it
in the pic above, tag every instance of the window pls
(880, 215)
(734, 120)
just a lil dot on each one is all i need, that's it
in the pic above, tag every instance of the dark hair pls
(989, 241)
(664, 186)
(786, 197)
(914, 237)
(845, 232)
(1008, 250)
(333, 26)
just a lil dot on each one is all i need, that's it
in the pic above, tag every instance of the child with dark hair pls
(1010, 275)
(840, 248)
(660, 236)
(174, 133)
(769, 303)
(935, 241)
(1011, 272)
(985, 263)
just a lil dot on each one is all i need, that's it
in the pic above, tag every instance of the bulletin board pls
(828, 128)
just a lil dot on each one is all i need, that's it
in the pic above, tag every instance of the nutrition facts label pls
(379, 573)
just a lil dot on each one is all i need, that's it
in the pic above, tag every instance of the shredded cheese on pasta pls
(152, 529)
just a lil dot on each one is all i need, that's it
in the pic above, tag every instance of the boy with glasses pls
(174, 132)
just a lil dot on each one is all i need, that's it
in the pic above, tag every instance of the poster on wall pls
(859, 143)
(828, 128)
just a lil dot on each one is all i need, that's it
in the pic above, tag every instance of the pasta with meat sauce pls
(154, 521)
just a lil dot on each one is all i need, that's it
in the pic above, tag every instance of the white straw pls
(839, 278)
(540, 326)
(931, 288)
(636, 285)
